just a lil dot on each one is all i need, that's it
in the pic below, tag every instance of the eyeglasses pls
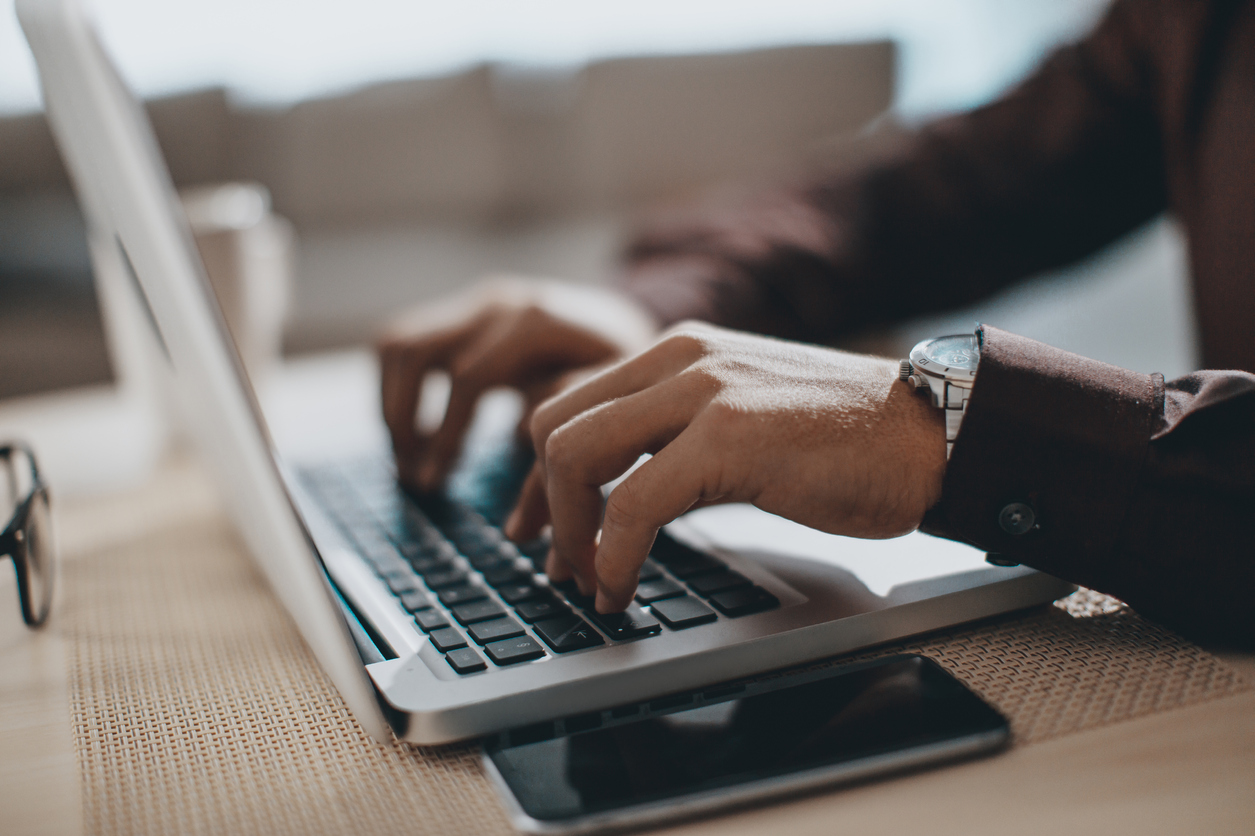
(28, 536)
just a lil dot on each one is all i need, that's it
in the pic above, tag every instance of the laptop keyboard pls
(485, 602)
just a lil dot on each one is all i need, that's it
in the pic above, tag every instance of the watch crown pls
(905, 370)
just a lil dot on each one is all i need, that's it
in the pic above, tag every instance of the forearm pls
(1138, 489)
(935, 217)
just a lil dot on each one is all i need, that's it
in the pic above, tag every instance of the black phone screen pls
(841, 717)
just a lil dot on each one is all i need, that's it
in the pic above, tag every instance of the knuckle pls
(532, 312)
(725, 426)
(687, 340)
(391, 347)
(547, 417)
(540, 428)
(465, 375)
(559, 449)
(703, 377)
(692, 326)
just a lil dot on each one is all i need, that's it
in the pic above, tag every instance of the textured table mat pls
(197, 709)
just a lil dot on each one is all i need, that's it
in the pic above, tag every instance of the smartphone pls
(693, 753)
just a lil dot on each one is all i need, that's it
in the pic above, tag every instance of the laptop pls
(431, 624)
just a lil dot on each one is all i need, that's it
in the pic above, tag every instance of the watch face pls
(957, 352)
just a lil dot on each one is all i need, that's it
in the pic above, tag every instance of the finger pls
(404, 363)
(531, 511)
(489, 359)
(402, 374)
(534, 394)
(654, 494)
(556, 568)
(594, 448)
(659, 362)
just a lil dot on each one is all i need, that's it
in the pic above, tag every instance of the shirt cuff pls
(1048, 458)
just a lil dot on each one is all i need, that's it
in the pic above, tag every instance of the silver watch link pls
(946, 366)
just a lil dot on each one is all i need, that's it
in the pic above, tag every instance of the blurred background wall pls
(414, 149)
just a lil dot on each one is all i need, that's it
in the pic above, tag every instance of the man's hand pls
(831, 440)
(504, 332)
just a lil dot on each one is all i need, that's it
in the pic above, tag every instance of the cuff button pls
(1017, 518)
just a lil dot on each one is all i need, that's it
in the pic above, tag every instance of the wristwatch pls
(947, 366)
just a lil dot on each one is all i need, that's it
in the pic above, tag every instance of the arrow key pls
(566, 633)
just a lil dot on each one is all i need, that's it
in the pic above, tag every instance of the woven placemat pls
(197, 709)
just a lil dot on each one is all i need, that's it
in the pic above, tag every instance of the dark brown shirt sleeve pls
(1139, 488)
(938, 217)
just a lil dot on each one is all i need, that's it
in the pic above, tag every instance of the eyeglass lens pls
(32, 548)
(36, 590)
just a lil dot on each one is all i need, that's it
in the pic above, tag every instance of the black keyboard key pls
(476, 611)
(572, 592)
(415, 601)
(466, 660)
(446, 639)
(491, 563)
(427, 545)
(656, 590)
(678, 613)
(537, 551)
(708, 585)
(541, 608)
(495, 629)
(566, 633)
(488, 558)
(744, 601)
(515, 593)
(505, 575)
(649, 571)
(431, 620)
(630, 624)
(448, 577)
(692, 565)
(428, 564)
(401, 584)
(461, 594)
(511, 651)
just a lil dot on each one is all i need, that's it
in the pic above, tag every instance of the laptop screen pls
(134, 221)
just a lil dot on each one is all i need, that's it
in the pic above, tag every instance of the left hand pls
(828, 439)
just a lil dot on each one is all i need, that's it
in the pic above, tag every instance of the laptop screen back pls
(134, 217)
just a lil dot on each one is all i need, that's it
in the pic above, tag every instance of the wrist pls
(927, 457)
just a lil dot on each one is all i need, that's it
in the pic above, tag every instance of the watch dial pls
(958, 352)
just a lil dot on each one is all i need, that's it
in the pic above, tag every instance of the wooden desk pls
(1189, 770)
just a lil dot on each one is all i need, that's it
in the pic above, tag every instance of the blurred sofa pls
(406, 189)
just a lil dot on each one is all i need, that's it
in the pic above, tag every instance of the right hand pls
(529, 334)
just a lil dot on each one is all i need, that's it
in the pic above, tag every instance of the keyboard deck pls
(482, 599)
